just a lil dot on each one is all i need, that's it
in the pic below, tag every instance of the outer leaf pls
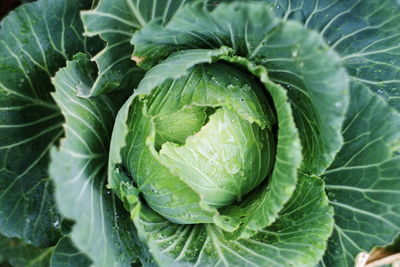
(369, 44)
(363, 182)
(102, 229)
(297, 238)
(35, 40)
(261, 208)
(176, 66)
(66, 254)
(365, 187)
(365, 33)
(294, 56)
(19, 254)
(115, 22)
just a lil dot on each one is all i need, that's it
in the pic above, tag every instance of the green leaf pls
(19, 254)
(364, 190)
(297, 238)
(182, 62)
(113, 19)
(364, 33)
(363, 182)
(66, 254)
(102, 230)
(295, 57)
(261, 208)
(35, 40)
(115, 22)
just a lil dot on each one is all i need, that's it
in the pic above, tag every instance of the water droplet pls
(245, 88)
(295, 53)
(230, 87)
(56, 224)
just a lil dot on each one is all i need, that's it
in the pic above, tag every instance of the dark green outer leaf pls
(35, 40)
(115, 22)
(112, 19)
(363, 182)
(66, 254)
(365, 33)
(103, 230)
(19, 254)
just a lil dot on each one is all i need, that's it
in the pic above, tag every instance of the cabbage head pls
(199, 133)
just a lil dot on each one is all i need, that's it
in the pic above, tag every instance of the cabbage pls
(199, 133)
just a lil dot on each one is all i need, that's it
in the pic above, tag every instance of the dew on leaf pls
(56, 224)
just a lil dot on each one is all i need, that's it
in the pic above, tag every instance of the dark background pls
(7, 5)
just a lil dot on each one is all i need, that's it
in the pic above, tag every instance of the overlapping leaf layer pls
(118, 121)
